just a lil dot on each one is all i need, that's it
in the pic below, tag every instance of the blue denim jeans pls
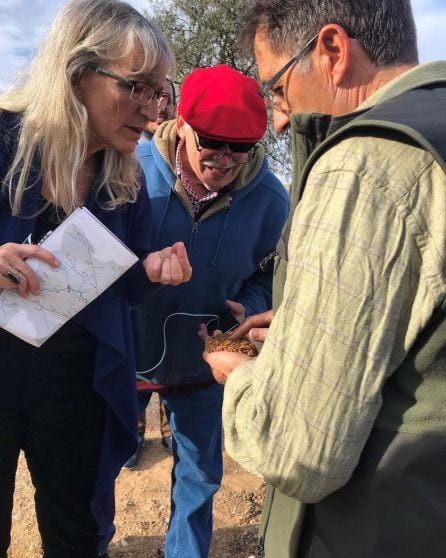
(195, 421)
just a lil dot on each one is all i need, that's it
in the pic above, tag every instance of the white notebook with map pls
(90, 257)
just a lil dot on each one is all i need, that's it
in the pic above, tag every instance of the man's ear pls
(334, 45)
(180, 126)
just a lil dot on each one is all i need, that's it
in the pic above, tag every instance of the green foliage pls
(202, 33)
(205, 33)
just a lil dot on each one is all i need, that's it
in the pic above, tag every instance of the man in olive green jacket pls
(344, 409)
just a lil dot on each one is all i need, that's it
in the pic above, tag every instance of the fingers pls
(30, 281)
(36, 251)
(257, 321)
(15, 271)
(223, 363)
(13, 275)
(169, 266)
(180, 250)
(203, 331)
(172, 272)
(29, 252)
(219, 372)
(258, 334)
(15, 254)
(153, 266)
(236, 309)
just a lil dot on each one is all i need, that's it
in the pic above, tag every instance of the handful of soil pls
(224, 343)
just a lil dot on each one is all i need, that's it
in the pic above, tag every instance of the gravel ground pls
(142, 508)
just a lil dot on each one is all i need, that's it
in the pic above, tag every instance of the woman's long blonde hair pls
(54, 122)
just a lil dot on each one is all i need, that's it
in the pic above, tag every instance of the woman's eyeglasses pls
(212, 150)
(140, 93)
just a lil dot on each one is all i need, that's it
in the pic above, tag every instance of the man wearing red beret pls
(210, 186)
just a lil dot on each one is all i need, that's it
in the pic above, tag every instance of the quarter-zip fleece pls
(225, 247)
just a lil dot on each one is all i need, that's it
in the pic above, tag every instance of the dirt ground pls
(142, 507)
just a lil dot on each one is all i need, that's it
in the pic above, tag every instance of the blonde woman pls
(67, 137)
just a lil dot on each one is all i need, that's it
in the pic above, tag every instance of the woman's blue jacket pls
(107, 317)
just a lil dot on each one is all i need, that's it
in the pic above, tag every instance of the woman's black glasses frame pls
(141, 93)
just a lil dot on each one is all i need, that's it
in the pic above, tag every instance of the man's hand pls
(237, 310)
(255, 327)
(223, 363)
(169, 266)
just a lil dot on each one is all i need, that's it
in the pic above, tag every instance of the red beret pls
(221, 103)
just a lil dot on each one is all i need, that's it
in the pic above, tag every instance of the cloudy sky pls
(23, 23)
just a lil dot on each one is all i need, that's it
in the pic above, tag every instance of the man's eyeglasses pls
(265, 90)
(212, 150)
(140, 93)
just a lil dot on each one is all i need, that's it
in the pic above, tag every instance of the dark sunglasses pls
(235, 147)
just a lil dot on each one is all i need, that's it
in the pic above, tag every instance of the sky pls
(23, 23)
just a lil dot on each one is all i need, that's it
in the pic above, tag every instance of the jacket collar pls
(315, 127)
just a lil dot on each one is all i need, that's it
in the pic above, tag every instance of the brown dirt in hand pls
(142, 507)
(223, 342)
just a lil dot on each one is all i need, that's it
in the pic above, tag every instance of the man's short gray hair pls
(384, 28)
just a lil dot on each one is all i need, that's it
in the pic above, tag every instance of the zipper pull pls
(195, 227)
